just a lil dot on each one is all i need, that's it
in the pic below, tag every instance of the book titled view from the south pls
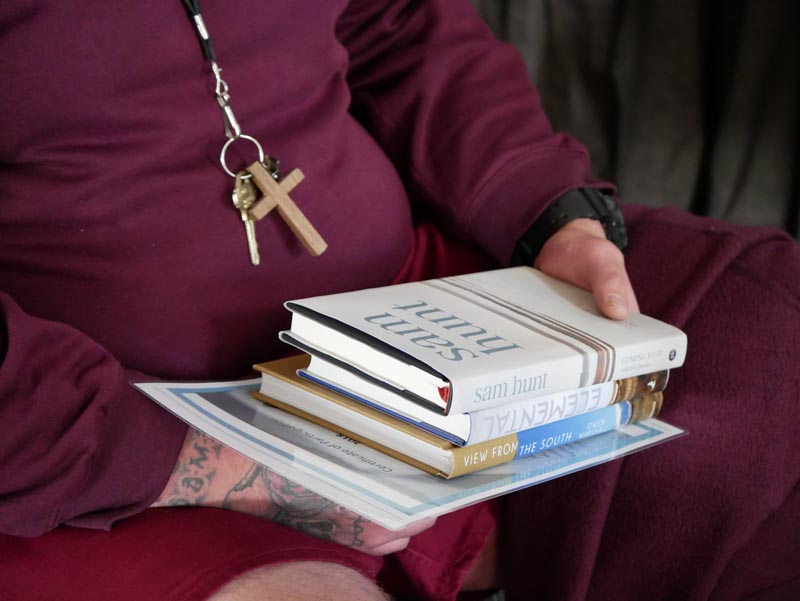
(467, 343)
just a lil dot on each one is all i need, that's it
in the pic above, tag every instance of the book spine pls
(531, 413)
(518, 416)
(544, 438)
(629, 388)
(483, 455)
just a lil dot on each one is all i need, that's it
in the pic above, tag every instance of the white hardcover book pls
(471, 342)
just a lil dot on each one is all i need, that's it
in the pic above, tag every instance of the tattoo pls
(247, 483)
(345, 532)
(192, 476)
(201, 457)
(193, 484)
(259, 491)
(291, 505)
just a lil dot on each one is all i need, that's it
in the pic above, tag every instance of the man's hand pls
(580, 254)
(212, 475)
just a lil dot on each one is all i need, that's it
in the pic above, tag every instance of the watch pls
(580, 203)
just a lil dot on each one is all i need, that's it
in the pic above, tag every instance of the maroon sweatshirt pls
(121, 257)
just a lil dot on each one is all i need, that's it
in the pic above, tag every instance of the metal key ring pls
(230, 141)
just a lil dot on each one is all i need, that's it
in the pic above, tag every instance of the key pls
(244, 195)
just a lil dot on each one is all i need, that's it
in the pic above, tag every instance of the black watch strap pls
(576, 204)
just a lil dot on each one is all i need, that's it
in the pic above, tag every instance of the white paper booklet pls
(381, 488)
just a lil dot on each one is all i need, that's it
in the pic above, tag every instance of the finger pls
(577, 254)
(609, 283)
(392, 546)
(384, 541)
(418, 527)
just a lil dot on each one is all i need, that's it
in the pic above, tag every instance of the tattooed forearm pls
(193, 473)
(209, 474)
(287, 503)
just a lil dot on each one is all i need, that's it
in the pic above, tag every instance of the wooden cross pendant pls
(276, 195)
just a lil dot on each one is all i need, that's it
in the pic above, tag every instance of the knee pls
(306, 581)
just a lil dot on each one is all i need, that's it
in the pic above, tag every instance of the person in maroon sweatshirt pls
(425, 152)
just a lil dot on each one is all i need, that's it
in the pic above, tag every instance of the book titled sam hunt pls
(470, 342)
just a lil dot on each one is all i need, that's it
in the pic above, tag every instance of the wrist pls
(586, 226)
(584, 206)
(202, 472)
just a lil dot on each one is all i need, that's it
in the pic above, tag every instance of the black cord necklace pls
(258, 188)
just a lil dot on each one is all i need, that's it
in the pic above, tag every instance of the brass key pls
(244, 195)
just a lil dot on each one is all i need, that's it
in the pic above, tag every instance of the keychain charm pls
(276, 195)
(261, 176)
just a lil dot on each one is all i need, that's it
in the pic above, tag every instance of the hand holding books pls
(579, 253)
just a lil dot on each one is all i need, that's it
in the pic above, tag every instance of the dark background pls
(692, 103)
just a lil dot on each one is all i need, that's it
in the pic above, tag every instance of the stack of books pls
(460, 374)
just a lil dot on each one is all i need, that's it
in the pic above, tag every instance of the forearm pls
(212, 475)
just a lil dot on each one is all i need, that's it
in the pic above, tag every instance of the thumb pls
(579, 253)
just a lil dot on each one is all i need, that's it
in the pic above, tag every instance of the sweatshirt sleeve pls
(79, 444)
(455, 110)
